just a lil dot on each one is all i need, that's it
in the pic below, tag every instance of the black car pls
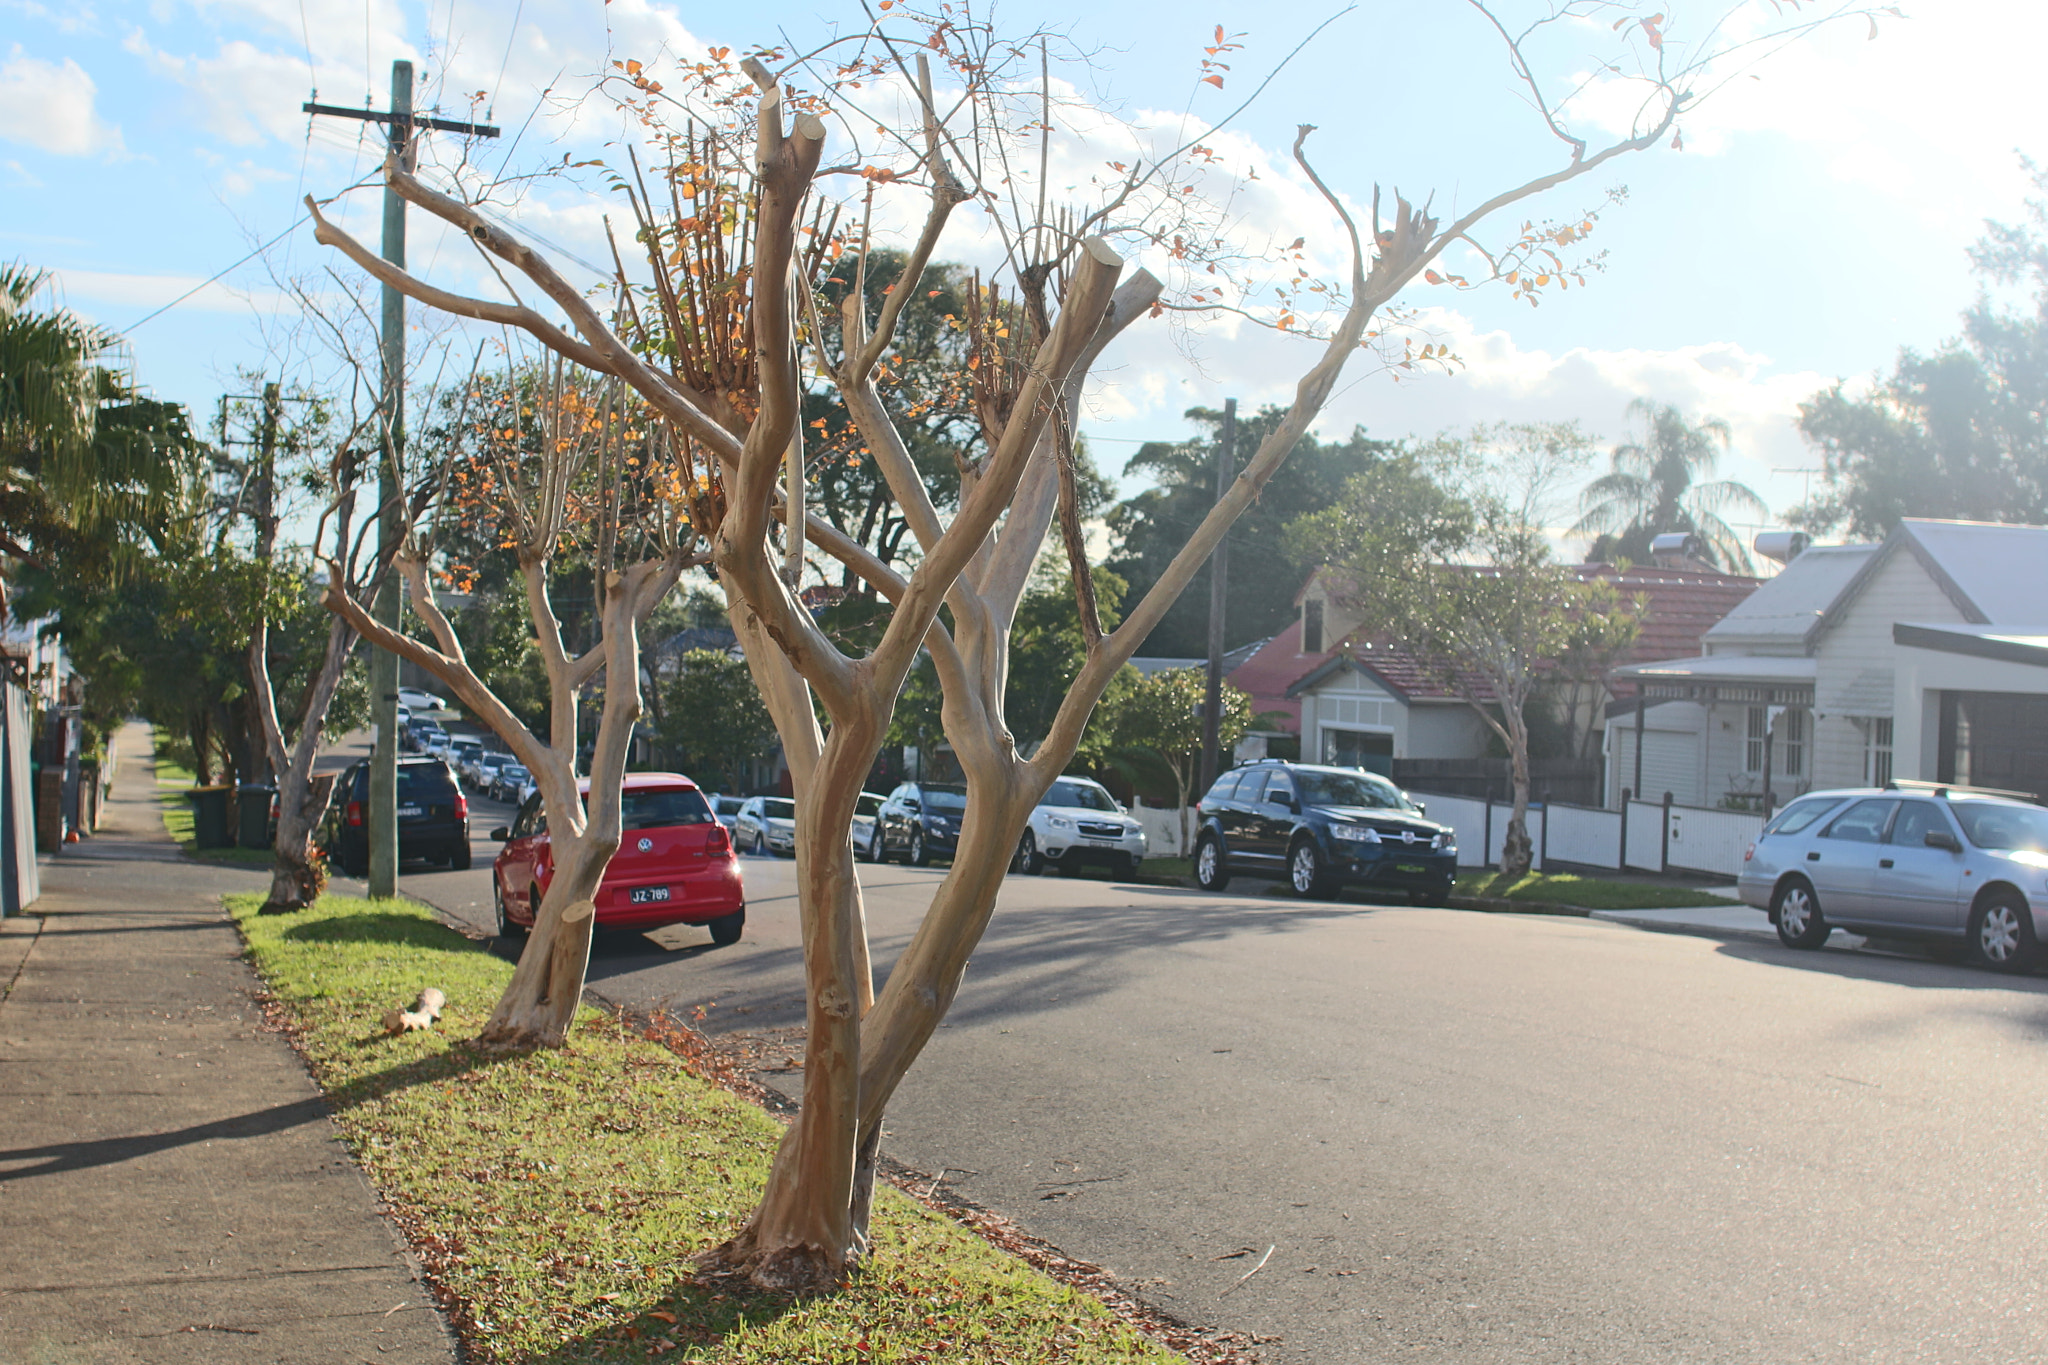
(918, 822)
(433, 816)
(1321, 829)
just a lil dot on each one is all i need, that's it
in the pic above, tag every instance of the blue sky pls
(1815, 221)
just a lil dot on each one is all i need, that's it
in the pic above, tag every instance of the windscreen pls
(945, 798)
(1993, 825)
(868, 804)
(664, 807)
(776, 808)
(1350, 789)
(1079, 795)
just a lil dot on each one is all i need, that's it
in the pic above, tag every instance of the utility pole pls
(1219, 586)
(401, 123)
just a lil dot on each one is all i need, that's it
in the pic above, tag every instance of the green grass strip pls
(560, 1195)
(1592, 893)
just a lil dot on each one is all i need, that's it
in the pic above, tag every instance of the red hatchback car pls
(675, 864)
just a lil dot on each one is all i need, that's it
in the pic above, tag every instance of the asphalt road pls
(1467, 1138)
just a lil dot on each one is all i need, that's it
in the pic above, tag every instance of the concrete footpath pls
(171, 1187)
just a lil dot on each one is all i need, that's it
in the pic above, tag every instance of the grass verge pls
(173, 780)
(1591, 893)
(557, 1197)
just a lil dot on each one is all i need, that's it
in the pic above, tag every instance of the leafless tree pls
(723, 341)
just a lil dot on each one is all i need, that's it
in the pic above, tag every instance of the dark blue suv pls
(1321, 828)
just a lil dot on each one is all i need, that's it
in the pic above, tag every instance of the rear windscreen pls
(664, 807)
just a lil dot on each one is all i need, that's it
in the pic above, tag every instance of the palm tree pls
(1652, 487)
(83, 459)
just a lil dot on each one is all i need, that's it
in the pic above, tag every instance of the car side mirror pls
(1293, 804)
(912, 805)
(501, 833)
(1941, 838)
(1422, 807)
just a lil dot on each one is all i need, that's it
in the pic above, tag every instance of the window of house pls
(1877, 751)
(1753, 751)
(1312, 626)
(1794, 738)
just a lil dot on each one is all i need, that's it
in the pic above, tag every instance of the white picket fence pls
(1700, 840)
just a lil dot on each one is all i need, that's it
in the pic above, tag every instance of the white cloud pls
(50, 107)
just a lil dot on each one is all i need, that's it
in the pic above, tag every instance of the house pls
(1858, 664)
(1372, 703)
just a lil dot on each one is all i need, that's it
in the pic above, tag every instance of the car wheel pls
(920, 856)
(1307, 872)
(459, 858)
(1800, 924)
(1029, 861)
(2002, 933)
(1211, 872)
(878, 847)
(725, 930)
(760, 846)
(508, 929)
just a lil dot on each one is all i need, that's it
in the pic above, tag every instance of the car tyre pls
(760, 847)
(878, 847)
(1308, 872)
(2002, 933)
(459, 857)
(1212, 873)
(920, 856)
(1030, 862)
(509, 929)
(1796, 912)
(725, 930)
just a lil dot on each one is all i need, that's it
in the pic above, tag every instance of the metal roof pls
(1995, 568)
(1789, 607)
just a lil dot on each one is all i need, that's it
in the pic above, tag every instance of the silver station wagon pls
(1912, 860)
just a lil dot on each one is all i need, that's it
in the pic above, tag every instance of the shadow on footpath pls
(58, 1157)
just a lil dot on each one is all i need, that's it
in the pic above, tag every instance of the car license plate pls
(1414, 868)
(1099, 843)
(411, 810)
(641, 895)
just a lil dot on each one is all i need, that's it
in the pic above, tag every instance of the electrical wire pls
(490, 110)
(216, 278)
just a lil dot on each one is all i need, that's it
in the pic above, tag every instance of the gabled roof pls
(1788, 610)
(1992, 572)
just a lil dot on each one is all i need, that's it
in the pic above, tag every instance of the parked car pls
(1909, 860)
(726, 808)
(462, 752)
(509, 780)
(433, 816)
(862, 833)
(675, 864)
(766, 824)
(420, 700)
(484, 769)
(919, 821)
(1321, 828)
(1078, 823)
(425, 734)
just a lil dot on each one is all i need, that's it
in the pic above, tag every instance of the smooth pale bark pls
(302, 796)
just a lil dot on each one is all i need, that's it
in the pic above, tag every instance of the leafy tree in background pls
(1155, 730)
(1151, 526)
(1444, 550)
(713, 714)
(1961, 432)
(1655, 486)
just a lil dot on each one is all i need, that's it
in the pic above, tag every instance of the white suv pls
(1912, 860)
(1078, 822)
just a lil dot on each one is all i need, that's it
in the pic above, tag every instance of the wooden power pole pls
(401, 123)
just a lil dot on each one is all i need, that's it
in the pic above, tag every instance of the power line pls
(216, 278)
(491, 109)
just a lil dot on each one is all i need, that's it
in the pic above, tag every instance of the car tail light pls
(461, 806)
(1749, 853)
(717, 843)
(353, 813)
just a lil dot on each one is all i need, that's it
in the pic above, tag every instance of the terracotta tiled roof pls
(1679, 606)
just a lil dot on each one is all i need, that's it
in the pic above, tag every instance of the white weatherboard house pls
(1922, 657)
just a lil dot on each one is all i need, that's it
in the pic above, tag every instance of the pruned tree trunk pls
(302, 795)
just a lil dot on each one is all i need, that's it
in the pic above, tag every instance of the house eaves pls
(1340, 663)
